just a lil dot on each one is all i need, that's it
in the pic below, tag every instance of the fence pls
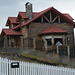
(26, 68)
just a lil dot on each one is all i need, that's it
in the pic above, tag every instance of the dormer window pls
(12, 26)
(23, 22)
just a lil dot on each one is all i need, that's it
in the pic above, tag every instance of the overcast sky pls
(10, 8)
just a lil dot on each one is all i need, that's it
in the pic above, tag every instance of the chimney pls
(29, 12)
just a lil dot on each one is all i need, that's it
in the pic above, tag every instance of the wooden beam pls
(52, 40)
(68, 50)
(58, 19)
(50, 17)
(54, 19)
(46, 19)
(42, 19)
(63, 39)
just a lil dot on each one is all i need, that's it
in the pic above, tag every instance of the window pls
(23, 22)
(58, 40)
(48, 39)
(68, 38)
(49, 42)
(11, 25)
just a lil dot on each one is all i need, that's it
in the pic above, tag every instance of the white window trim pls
(58, 36)
(48, 37)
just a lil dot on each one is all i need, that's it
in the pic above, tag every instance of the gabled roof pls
(10, 32)
(23, 14)
(65, 17)
(12, 20)
(52, 29)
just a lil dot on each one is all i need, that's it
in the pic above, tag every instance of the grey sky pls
(10, 8)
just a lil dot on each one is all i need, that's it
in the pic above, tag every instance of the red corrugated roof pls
(10, 32)
(23, 14)
(52, 29)
(45, 11)
(68, 16)
(35, 14)
(12, 20)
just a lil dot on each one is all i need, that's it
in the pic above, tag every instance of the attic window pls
(53, 15)
(38, 20)
(62, 20)
(23, 22)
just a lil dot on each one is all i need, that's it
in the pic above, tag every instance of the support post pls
(42, 19)
(58, 19)
(68, 50)
(63, 39)
(46, 45)
(57, 49)
(50, 17)
(52, 40)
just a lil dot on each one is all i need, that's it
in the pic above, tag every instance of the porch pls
(11, 38)
(13, 41)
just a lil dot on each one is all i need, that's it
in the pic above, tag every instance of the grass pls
(44, 60)
(36, 58)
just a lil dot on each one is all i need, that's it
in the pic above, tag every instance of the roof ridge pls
(12, 17)
(25, 12)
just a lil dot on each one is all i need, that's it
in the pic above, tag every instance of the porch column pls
(45, 43)
(63, 39)
(22, 41)
(57, 49)
(68, 50)
(52, 40)
(6, 43)
(66, 40)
